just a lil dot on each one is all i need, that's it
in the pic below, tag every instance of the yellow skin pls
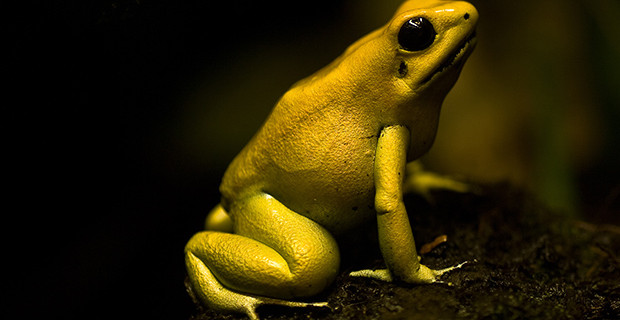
(331, 156)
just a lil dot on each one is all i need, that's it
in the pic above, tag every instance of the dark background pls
(100, 181)
(103, 205)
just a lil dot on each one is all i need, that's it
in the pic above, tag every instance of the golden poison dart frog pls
(332, 155)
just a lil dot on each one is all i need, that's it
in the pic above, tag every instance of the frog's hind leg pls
(209, 290)
(273, 253)
(219, 220)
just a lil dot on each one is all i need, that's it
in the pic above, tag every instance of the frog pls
(332, 156)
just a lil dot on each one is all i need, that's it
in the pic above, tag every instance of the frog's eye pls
(416, 34)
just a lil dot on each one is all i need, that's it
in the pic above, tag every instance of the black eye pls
(416, 34)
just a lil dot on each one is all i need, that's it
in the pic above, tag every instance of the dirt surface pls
(530, 263)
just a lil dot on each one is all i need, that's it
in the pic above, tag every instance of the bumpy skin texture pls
(332, 155)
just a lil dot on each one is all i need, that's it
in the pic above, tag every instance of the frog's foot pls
(219, 220)
(379, 274)
(424, 274)
(422, 182)
(218, 297)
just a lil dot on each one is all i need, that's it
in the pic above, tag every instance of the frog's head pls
(400, 73)
(430, 42)
(409, 65)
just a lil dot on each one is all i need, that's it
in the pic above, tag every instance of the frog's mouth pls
(455, 56)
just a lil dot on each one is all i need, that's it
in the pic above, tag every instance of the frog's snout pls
(471, 13)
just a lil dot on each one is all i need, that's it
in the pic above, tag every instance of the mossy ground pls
(530, 263)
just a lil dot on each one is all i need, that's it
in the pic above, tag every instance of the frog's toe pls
(426, 275)
(294, 304)
(441, 272)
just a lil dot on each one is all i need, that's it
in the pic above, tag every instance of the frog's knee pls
(309, 280)
(315, 267)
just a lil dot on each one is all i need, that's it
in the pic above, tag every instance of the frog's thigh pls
(276, 252)
(310, 254)
(238, 262)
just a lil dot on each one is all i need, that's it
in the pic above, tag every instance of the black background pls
(103, 207)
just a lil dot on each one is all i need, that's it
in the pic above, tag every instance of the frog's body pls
(331, 156)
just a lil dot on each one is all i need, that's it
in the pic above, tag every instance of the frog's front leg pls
(421, 182)
(395, 235)
(274, 253)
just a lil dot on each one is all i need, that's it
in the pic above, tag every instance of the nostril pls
(466, 16)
